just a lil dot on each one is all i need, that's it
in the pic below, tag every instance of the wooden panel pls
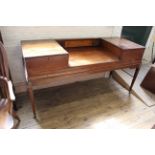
(62, 80)
(46, 65)
(81, 43)
(84, 70)
(132, 55)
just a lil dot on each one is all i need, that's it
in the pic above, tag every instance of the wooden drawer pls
(46, 65)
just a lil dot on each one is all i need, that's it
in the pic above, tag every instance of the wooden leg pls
(110, 74)
(134, 78)
(154, 61)
(31, 95)
(14, 102)
(15, 106)
(14, 114)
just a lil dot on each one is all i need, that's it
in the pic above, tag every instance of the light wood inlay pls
(41, 48)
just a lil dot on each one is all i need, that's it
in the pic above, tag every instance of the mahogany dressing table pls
(56, 60)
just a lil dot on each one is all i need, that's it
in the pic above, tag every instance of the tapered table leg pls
(31, 95)
(134, 78)
(110, 74)
(14, 114)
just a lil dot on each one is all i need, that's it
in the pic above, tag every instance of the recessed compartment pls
(87, 52)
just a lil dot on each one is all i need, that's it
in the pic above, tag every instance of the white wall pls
(13, 35)
(148, 50)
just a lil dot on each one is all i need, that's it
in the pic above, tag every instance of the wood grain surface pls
(77, 57)
(40, 48)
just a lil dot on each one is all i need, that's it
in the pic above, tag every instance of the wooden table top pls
(124, 43)
(39, 48)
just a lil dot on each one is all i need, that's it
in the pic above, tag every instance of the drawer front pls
(46, 65)
(132, 55)
(35, 63)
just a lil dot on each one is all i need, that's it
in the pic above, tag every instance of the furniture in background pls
(14, 104)
(6, 113)
(149, 81)
(7, 96)
(53, 61)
